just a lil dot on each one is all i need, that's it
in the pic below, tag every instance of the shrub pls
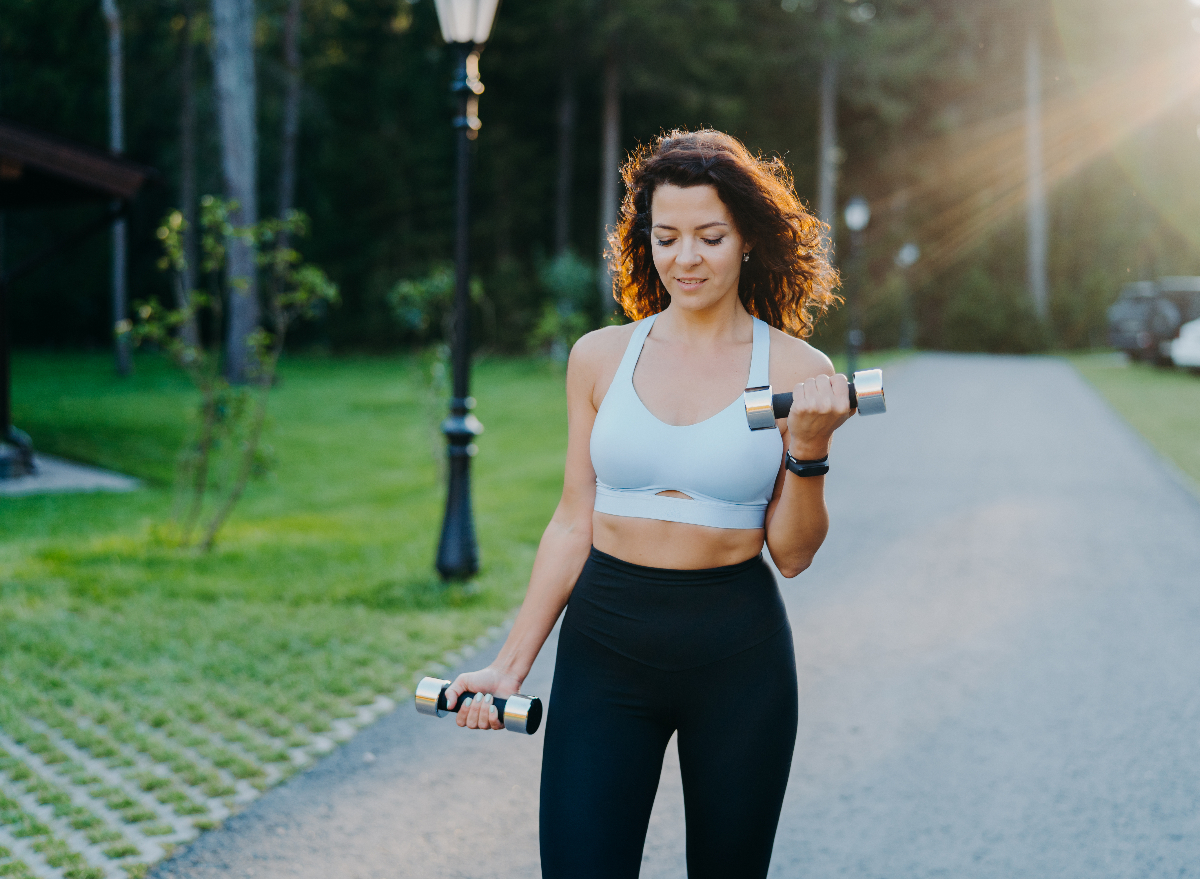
(231, 417)
(981, 314)
(425, 306)
(570, 284)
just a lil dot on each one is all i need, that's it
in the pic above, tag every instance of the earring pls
(746, 256)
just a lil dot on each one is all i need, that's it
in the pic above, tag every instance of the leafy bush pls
(570, 284)
(981, 314)
(227, 451)
(884, 311)
(1079, 314)
(425, 306)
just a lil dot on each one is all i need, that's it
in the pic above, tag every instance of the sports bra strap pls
(760, 358)
(633, 351)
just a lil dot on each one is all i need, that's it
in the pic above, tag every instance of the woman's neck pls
(724, 321)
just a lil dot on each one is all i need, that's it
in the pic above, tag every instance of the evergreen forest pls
(930, 125)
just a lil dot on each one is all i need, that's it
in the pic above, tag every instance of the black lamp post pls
(856, 215)
(466, 25)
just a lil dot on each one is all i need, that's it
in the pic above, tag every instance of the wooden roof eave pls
(102, 173)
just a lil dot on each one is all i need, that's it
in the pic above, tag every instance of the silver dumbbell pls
(763, 406)
(520, 713)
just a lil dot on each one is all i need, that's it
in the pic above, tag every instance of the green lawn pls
(319, 597)
(197, 679)
(1163, 405)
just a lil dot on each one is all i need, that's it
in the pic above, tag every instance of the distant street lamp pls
(908, 255)
(906, 258)
(466, 25)
(856, 215)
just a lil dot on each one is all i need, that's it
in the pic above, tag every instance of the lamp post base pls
(16, 455)
(458, 553)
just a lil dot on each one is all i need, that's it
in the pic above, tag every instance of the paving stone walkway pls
(999, 674)
(56, 475)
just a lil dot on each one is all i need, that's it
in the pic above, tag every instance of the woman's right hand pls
(487, 683)
(820, 405)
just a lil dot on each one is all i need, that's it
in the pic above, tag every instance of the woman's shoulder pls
(602, 347)
(595, 358)
(795, 360)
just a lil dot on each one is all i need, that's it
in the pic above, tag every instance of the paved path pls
(56, 475)
(999, 654)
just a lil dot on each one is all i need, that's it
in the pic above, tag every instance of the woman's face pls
(697, 249)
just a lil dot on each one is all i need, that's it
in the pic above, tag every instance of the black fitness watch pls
(818, 467)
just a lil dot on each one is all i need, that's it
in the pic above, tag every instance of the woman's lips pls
(689, 282)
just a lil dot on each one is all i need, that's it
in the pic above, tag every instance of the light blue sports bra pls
(727, 469)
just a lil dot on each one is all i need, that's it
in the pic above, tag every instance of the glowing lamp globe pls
(466, 21)
(857, 214)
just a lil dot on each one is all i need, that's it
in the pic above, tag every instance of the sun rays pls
(964, 186)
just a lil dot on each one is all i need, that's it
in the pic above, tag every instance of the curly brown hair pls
(788, 281)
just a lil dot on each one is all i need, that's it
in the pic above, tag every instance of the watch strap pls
(817, 467)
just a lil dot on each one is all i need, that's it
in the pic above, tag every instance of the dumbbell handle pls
(782, 403)
(499, 701)
(520, 713)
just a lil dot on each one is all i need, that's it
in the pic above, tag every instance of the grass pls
(326, 567)
(1163, 405)
(207, 670)
(157, 684)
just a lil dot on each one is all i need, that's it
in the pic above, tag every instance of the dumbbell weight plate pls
(867, 387)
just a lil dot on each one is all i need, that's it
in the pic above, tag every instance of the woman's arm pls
(797, 519)
(560, 557)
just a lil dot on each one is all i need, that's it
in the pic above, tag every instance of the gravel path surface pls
(999, 674)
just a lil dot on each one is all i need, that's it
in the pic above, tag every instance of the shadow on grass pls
(428, 593)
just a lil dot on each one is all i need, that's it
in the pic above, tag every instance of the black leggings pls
(643, 653)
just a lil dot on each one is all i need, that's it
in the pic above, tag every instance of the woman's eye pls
(713, 241)
(664, 242)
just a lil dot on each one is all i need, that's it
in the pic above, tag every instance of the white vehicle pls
(1181, 297)
(1185, 348)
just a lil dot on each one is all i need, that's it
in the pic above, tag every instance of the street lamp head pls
(466, 21)
(857, 214)
(907, 255)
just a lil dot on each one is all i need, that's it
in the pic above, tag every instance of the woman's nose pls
(689, 255)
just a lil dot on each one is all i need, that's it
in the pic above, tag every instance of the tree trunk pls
(187, 174)
(1036, 222)
(291, 111)
(827, 145)
(233, 69)
(116, 143)
(610, 172)
(566, 160)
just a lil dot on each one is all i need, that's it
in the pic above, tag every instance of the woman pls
(674, 622)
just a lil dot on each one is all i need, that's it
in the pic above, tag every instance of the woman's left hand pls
(820, 405)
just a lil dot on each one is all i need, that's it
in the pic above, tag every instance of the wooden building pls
(40, 170)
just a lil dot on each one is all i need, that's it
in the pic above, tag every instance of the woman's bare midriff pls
(658, 544)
